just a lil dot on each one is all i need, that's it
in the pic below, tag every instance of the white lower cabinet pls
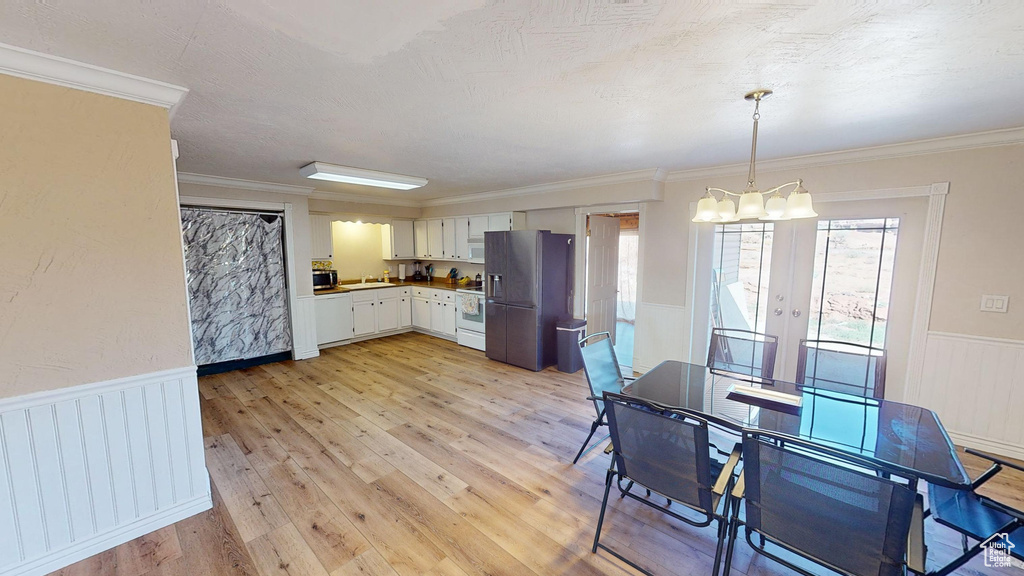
(405, 308)
(448, 318)
(364, 318)
(333, 317)
(436, 316)
(387, 311)
(421, 313)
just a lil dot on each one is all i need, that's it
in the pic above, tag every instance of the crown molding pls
(652, 174)
(364, 199)
(81, 76)
(1005, 137)
(221, 182)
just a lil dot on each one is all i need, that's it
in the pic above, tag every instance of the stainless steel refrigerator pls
(529, 288)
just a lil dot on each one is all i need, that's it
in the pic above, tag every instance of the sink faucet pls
(362, 279)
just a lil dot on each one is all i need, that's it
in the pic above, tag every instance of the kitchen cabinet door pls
(333, 318)
(477, 227)
(499, 222)
(404, 312)
(421, 313)
(450, 317)
(448, 238)
(462, 238)
(387, 313)
(403, 244)
(437, 315)
(435, 239)
(419, 232)
(364, 318)
(321, 237)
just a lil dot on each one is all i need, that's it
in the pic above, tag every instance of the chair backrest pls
(664, 449)
(601, 367)
(842, 367)
(832, 507)
(743, 352)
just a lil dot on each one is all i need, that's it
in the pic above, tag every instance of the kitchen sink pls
(367, 285)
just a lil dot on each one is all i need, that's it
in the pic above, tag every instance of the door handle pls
(796, 313)
(778, 311)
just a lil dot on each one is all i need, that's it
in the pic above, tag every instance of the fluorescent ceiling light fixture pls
(348, 175)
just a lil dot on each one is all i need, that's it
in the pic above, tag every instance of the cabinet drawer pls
(406, 291)
(448, 296)
(421, 292)
(364, 295)
(387, 293)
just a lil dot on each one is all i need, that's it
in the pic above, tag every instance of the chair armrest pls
(994, 459)
(916, 551)
(1011, 512)
(727, 471)
(609, 448)
(739, 488)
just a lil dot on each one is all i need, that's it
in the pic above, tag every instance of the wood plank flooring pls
(411, 455)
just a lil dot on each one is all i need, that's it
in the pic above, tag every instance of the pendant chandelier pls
(752, 202)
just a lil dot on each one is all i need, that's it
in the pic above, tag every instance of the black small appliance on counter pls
(323, 279)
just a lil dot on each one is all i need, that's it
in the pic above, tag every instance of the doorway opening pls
(612, 265)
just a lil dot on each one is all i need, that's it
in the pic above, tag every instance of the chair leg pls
(723, 529)
(593, 428)
(604, 504)
(733, 529)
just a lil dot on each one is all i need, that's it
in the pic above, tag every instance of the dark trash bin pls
(569, 333)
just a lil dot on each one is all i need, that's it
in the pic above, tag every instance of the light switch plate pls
(994, 303)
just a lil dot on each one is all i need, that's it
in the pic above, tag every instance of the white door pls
(421, 313)
(435, 239)
(602, 274)
(477, 227)
(402, 243)
(404, 312)
(848, 276)
(436, 316)
(448, 238)
(364, 318)
(462, 238)
(387, 313)
(450, 318)
(419, 228)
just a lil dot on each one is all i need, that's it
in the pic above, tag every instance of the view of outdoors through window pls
(742, 264)
(853, 266)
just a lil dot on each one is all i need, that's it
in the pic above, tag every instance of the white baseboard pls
(89, 467)
(987, 445)
(102, 542)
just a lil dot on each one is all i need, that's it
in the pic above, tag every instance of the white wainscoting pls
(976, 386)
(304, 329)
(86, 468)
(661, 334)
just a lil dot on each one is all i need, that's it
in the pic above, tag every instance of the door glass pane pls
(853, 265)
(741, 266)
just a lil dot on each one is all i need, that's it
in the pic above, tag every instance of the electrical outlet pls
(994, 303)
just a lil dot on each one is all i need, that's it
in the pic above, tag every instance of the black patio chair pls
(603, 375)
(975, 516)
(835, 509)
(842, 367)
(666, 451)
(743, 352)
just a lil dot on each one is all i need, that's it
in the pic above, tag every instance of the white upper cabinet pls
(506, 221)
(448, 238)
(321, 238)
(462, 238)
(397, 240)
(435, 239)
(477, 227)
(420, 235)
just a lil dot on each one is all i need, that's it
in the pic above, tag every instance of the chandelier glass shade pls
(752, 203)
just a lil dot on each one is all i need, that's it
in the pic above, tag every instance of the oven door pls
(474, 321)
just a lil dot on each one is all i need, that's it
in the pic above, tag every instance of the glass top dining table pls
(906, 437)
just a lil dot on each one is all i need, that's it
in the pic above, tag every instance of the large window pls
(852, 281)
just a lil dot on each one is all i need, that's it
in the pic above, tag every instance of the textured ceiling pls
(480, 96)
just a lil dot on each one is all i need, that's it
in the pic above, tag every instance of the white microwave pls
(476, 250)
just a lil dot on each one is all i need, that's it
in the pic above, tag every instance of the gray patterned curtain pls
(236, 284)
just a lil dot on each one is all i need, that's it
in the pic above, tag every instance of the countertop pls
(439, 284)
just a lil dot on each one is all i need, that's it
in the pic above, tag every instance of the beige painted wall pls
(357, 250)
(90, 241)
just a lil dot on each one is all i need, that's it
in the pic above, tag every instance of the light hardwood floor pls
(411, 455)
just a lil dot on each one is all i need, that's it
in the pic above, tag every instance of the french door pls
(850, 275)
